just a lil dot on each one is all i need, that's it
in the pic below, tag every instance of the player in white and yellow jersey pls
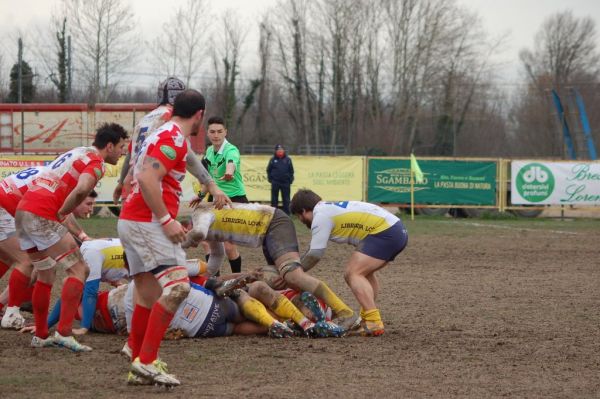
(253, 225)
(378, 236)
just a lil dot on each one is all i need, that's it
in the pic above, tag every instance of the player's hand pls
(278, 283)
(117, 193)
(220, 200)
(174, 231)
(80, 331)
(227, 177)
(28, 329)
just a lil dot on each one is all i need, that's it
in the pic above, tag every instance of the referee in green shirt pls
(222, 160)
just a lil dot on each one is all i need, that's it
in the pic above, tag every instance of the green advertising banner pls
(445, 182)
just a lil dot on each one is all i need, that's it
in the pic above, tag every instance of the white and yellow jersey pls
(241, 224)
(105, 259)
(347, 222)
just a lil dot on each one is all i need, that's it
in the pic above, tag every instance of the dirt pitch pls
(473, 309)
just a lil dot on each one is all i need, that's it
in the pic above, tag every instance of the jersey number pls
(24, 174)
(61, 160)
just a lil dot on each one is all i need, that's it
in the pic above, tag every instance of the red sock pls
(18, 285)
(157, 326)
(70, 298)
(1, 306)
(3, 268)
(40, 301)
(139, 324)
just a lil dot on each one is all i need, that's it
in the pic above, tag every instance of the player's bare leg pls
(360, 266)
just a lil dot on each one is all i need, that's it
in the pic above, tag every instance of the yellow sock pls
(372, 316)
(286, 310)
(340, 309)
(254, 310)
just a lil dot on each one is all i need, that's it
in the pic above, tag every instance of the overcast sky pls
(517, 19)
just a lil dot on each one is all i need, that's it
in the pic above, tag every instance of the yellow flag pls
(414, 167)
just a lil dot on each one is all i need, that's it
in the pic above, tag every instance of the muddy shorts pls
(280, 238)
(7, 225)
(220, 320)
(147, 247)
(385, 245)
(37, 232)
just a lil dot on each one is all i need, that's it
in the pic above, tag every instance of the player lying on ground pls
(253, 225)
(378, 236)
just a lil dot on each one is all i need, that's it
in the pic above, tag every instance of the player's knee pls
(258, 289)
(69, 259)
(180, 291)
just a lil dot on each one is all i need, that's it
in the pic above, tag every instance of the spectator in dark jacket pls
(280, 173)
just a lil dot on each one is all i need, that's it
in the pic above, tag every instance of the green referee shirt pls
(217, 162)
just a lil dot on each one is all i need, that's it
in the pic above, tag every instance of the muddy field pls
(473, 309)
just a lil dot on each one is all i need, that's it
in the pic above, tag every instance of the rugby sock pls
(3, 268)
(70, 298)
(372, 317)
(139, 323)
(158, 322)
(254, 310)
(340, 309)
(236, 264)
(285, 309)
(1, 306)
(40, 300)
(18, 288)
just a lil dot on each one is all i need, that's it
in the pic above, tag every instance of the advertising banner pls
(333, 178)
(446, 182)
(555, 183)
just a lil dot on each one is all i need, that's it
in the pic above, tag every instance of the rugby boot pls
(37, 342)
(326, 329)
(70, 343)
(154, 372)
(280, 330)
(312, 304)
(368, 329)
(226, 288)
(12, 319)
(126, 351)
(349, 323)
(134, 379)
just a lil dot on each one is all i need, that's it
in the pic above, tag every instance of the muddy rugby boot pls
(155, 372)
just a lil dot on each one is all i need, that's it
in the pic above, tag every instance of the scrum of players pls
(158, 293)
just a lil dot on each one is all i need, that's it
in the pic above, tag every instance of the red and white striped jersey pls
(50, 187)
(14, 186)
(169, 146)
(146, 126)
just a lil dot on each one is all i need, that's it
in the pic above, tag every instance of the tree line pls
(380, 77)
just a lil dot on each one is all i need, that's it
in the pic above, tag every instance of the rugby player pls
(378, 236)
(253, 225)
(53, 194)
(152, 236)
(167, 92)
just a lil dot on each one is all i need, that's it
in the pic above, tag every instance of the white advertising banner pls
(555, 183)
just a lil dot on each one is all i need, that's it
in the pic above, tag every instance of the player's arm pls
(195, 167)
(231, 159)
(320, 230)
(122, 176)
(149, 179)
(75, 228)
(85, 185)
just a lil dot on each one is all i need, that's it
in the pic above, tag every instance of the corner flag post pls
(415, 175)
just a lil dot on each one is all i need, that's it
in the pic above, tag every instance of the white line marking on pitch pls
(517, 228)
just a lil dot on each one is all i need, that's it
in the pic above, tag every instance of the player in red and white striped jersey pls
(152, 236)
(53, 195)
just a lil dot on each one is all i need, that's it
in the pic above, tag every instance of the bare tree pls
(103, 32)
(226, 53)
(179, 49)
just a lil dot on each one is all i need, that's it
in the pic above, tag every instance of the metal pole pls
(20, 95)
(69, 70)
